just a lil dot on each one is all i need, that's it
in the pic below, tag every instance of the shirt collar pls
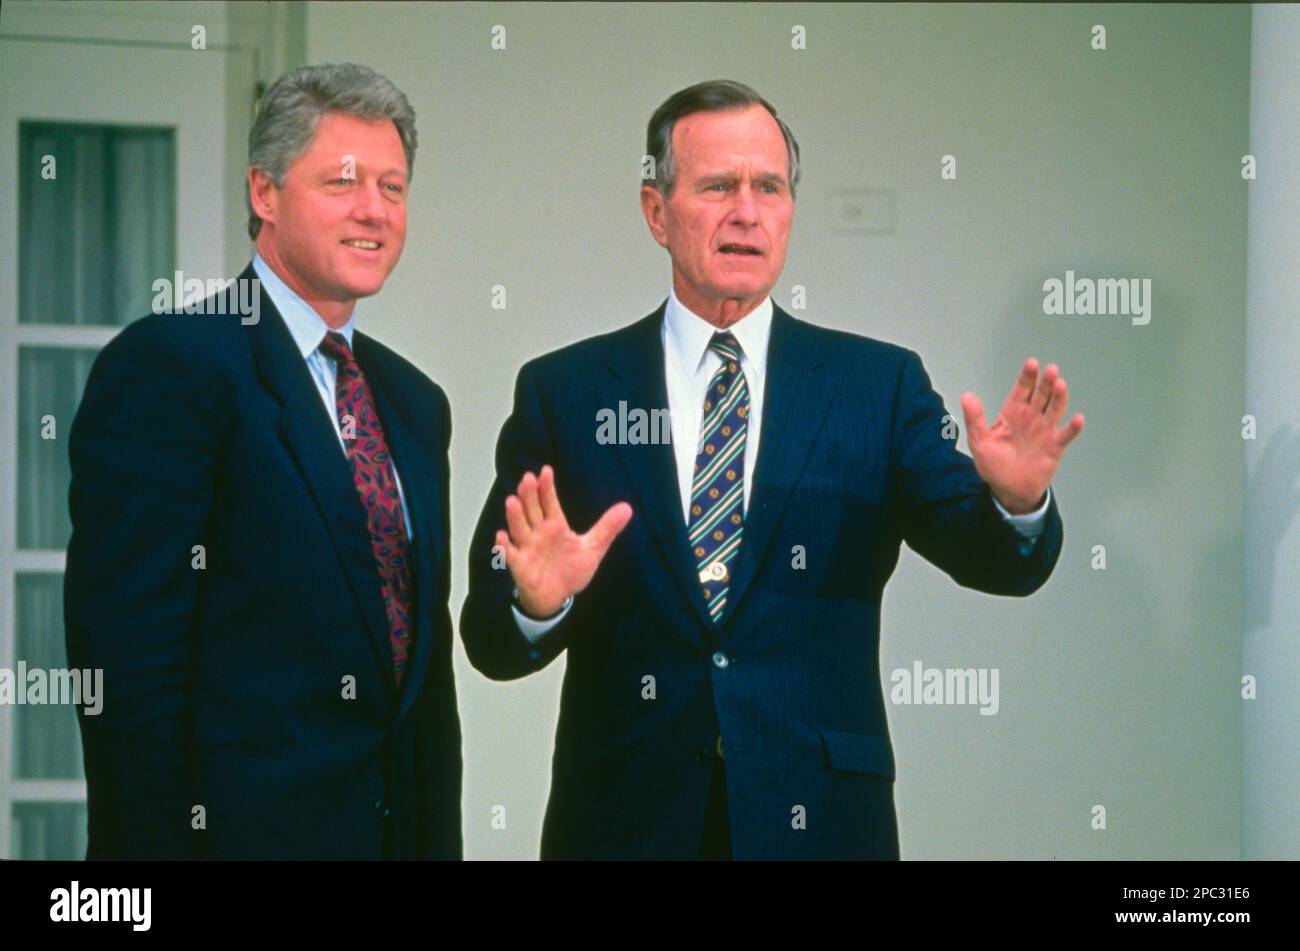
(306, 326)
(689, 334)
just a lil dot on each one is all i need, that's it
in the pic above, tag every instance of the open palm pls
(1018, 455)
(548, 560)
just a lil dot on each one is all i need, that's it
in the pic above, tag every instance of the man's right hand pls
(549, 561)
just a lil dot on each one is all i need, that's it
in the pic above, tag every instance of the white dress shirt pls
(689, 365)
(308, 330)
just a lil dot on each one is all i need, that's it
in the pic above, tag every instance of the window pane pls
(49, 830)
(47, 740)
(50, 381)
(99, 232)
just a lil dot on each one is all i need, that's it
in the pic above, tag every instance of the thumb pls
(615, 519)
(973, 410)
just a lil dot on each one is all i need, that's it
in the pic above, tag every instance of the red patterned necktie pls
(372, 473)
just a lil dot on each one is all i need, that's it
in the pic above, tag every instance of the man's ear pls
(652, 206)
(263, 194)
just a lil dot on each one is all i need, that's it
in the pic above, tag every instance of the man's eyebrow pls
(720, 178)
(337, 165)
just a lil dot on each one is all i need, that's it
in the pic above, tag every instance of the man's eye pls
(396, 188)
(342, 181)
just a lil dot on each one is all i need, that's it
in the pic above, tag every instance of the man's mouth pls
(363, 244)
(740, 249)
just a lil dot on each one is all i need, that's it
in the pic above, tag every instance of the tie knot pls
(725, 345)
(335, 345)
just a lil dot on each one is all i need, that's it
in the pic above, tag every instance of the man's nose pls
(369, 203)
(745, 209)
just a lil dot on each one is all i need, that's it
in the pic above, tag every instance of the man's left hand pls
(1018, 455)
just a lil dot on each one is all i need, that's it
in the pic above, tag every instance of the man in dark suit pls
(259, 560)
(722, 691)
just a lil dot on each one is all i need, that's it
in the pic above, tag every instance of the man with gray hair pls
(721, 616)
(259, 560)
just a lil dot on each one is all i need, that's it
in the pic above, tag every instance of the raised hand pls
(1018, 455)
(549, 561)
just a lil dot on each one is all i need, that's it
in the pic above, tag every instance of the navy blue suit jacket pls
(224, 687)
(852, 462)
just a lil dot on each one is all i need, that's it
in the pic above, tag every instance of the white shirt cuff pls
(1031, 524)
(534, 629)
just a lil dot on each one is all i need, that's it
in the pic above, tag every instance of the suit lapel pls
(636, 363)
(314, 445)
(796, 397)
(420, 490)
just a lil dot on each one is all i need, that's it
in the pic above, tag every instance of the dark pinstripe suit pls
(852, 463)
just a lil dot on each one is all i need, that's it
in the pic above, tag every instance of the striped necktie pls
(718, 486)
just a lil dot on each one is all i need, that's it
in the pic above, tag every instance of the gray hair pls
(716, 95)
(292, 108)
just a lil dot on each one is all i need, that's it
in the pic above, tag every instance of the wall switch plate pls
(864, 210)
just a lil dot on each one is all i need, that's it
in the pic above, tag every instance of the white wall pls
(1118, 687)
(1271, 727)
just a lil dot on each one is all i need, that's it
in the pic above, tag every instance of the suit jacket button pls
(720, 660)
(380, 808)
(702, 754)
